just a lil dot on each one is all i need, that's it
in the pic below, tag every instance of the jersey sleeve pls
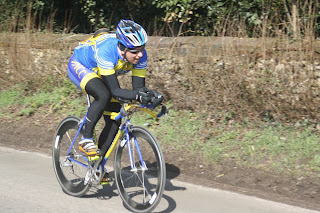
(106, 61)
(113, 86)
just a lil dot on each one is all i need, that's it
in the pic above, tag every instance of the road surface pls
(28, 184)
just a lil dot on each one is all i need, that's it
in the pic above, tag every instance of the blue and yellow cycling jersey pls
(101, 55)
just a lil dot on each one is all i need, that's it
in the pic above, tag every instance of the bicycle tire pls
(72, 181)
(153, 180)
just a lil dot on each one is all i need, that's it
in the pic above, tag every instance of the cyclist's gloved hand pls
(157, 98)
(144, 96)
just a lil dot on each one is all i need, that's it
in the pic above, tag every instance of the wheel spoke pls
(70, 168)
(141, 187)
(70, 141)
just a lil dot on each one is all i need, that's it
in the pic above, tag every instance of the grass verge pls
(283, 148)
(20, 100)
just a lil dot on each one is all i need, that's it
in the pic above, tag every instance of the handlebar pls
(127, 106)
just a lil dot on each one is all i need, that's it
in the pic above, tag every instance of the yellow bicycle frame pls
(113, 115)
(126, 107)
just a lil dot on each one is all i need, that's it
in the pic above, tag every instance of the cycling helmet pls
(131, 34)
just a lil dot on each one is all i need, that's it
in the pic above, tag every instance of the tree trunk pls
(294, 19)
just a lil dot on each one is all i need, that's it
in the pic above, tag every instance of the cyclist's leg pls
(110, 129)
(89, 82)
(96, 88)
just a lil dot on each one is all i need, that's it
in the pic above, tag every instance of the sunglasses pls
(135, 51)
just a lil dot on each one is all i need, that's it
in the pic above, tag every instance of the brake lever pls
(164, 112)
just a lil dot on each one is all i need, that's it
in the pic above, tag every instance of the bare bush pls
(275, 79)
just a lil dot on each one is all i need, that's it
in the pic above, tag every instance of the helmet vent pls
(131, 34)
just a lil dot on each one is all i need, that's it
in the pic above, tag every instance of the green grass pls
(180, 130)
(282, 149)
(47, 99)
(9, 97)
(292, 149)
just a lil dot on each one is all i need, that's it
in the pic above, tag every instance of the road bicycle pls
(139, 165)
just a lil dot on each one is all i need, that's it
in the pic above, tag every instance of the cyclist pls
(94, 67)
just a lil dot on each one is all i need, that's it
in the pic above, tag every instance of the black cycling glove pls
(157, 98)
(144, 96)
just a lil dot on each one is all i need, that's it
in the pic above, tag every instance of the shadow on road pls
(105, 192)
(109, 191)
(172, 172)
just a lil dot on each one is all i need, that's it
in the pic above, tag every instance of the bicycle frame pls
(123, 129)
(73, 141)
(139, 165)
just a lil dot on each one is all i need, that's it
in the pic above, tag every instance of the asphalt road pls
(28, 184)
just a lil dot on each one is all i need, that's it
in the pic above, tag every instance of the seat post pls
(88, 100)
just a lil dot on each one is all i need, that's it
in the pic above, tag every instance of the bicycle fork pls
(133, 140)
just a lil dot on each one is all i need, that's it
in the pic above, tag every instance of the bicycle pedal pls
(107, 179)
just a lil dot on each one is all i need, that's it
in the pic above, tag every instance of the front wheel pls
(140, 185)
(69, 164)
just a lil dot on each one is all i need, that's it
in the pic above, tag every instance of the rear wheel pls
(140, 188)
(71, 168)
